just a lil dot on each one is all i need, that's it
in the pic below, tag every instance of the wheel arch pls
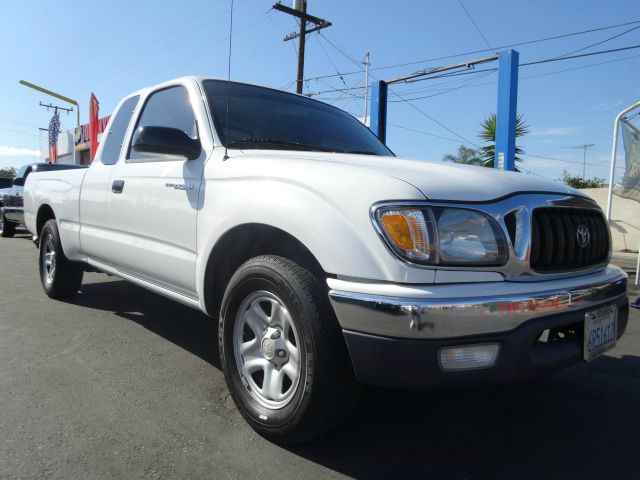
(45, 213)
(245, 241)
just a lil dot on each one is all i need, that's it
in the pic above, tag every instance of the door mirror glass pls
(166, 141)
(18, 182)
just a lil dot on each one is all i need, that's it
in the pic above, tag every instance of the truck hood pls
(436, 180)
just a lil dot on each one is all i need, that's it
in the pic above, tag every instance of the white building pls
(73, 145)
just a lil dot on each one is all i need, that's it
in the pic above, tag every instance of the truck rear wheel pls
(282, 352)
(60, 277)
(7, 229)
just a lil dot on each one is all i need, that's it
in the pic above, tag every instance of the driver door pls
(153, 199)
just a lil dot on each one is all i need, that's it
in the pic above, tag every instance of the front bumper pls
(394, 340)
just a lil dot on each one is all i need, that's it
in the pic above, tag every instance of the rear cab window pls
(115, 137)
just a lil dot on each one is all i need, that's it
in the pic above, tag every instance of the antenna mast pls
(226, 124)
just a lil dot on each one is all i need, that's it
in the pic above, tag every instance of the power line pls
(345, 54)
(537, 62)
(313, 94)
(16, 131)
(475, 24)
(145, 50)
(419, 110)
(169, 68)
(511, 45)
(22, 122)
(426, 115)
(578, 68)
(408, 101)
(424, 133)
(555, 72)
(601, 41)
(567, 161)
(332, 64)
(468, 83)
(600, 52)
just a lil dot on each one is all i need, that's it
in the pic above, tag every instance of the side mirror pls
(18, 182)
(165, 140)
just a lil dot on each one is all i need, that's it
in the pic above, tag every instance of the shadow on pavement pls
(186, 327)
(582, 423)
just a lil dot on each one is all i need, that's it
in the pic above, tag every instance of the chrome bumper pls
(420, 313)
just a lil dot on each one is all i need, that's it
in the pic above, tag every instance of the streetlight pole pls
(54, 94)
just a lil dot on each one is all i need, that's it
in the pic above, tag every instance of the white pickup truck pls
(327, 260)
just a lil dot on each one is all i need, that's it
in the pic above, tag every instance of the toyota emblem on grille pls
(583, 235)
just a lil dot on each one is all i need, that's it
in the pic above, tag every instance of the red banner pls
(94, 106)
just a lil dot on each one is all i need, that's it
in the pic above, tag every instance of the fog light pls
(469, 357)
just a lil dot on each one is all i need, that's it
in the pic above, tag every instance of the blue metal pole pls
(378, 110)
(507, 110)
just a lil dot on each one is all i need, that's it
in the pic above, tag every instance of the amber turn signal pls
(408, 233)
(397, 227)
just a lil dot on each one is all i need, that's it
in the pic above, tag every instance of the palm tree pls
(465, 155)
(488, 134)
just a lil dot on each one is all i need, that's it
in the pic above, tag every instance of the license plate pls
(600, 332)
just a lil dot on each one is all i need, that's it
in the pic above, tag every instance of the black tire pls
(65, 279)
(7, 228)
(327, 390)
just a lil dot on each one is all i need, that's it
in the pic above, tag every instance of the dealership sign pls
(81, 133)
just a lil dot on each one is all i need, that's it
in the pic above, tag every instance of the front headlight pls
(442, 235)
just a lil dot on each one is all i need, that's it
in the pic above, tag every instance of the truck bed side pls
(56, 195)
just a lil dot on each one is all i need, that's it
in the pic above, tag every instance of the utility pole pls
(584, 157)
(301, 12)
(366, 63)
(583, 147)
(56, 108)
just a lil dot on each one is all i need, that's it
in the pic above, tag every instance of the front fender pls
(332, 222)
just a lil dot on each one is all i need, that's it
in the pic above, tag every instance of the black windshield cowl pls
(256, 143)
(361, 152)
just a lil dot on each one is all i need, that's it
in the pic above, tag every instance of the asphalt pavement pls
(121, 383)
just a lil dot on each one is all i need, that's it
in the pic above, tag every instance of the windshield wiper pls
(274, 142)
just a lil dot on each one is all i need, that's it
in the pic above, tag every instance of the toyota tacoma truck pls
(327, 261)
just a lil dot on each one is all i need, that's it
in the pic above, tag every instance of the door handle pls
(117, 186)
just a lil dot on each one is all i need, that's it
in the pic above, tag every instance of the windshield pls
(261, 118)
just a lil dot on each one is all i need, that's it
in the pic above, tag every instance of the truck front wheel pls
(282, 352)
(60, 277)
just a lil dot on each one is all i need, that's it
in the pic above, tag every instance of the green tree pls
(8, 172)
(488, 134)
(465, 155)
(577, 181)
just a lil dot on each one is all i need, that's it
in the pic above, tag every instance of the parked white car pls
(328, 261)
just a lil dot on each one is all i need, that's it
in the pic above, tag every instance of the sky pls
(112, 48)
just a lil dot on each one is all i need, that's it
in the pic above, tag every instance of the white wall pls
(625, 219)
(65, 147)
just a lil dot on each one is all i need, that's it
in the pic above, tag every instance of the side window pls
(115, 138)
(166, 108)
(22, 171)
